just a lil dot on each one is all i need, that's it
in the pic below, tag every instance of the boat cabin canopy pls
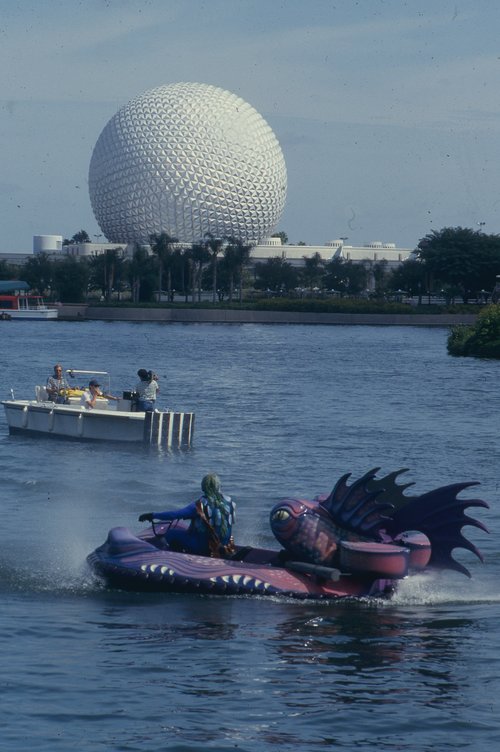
(13, 286)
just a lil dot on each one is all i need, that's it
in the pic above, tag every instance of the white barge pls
(110, 420)
(17, 303)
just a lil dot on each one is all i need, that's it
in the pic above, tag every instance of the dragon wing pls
(357, 508)
(440, 515)
(390, 490)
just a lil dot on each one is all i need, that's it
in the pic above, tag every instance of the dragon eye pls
(281, 515)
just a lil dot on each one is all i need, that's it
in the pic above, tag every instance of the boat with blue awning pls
(17, 303)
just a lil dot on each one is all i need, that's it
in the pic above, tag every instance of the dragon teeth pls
(152, 568)
(228, 579)
(238, 579)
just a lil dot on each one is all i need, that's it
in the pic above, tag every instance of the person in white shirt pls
(147, 389)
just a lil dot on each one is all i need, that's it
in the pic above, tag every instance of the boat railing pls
(31, 304)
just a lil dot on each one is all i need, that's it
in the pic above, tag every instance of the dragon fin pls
(356, 508)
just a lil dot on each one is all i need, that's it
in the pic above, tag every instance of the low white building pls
(47, 244)
(294, 254)
(85, 250)
(268, 249)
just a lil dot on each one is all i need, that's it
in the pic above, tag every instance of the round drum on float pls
(382, 559)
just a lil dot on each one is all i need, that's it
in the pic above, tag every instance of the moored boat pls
(17, 303)
(26, 307)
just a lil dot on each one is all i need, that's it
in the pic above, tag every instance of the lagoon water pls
(281, 410)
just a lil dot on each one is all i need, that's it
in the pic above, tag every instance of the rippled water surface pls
(280, 410)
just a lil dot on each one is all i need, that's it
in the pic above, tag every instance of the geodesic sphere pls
(187, 159)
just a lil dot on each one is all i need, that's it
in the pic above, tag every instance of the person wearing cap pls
(146, 389)
(211, 522)
(57, 386)
(90, 395)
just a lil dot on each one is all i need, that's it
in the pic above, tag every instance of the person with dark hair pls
(211, 522)
(92, 394)
(146, 389)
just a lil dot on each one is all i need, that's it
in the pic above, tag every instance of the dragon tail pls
(440, 515)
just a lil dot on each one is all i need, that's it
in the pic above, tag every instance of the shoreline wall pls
(82, 312)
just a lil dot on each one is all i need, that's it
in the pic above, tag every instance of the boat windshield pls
(83, 378)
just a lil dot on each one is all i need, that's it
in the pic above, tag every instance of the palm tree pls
(214, 247)
(112, 270)
(105, 269)
(236, 256)
(198, 256)
(138, 268)
(313, 271)
(163, 246)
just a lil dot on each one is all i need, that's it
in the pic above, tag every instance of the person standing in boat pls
(146, 388)
(210, 529)
(57, 386)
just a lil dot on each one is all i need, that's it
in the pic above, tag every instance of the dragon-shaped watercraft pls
(357, 541)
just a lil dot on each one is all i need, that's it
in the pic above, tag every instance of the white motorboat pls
(26, 307)
(109, 420)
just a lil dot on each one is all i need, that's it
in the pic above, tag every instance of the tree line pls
(152, 273)
(452, 263)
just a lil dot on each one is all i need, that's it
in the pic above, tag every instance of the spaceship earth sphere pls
(187, 159)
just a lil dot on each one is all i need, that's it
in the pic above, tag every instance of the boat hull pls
(48, 314)
(133, 563)
(168, 429)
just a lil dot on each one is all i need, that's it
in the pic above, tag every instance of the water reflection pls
(376, 655)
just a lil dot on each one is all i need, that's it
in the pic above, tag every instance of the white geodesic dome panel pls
(187, 159)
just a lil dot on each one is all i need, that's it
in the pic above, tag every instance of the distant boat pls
(23, 306)
(16, 302)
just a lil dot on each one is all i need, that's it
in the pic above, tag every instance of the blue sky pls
(387, 111)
